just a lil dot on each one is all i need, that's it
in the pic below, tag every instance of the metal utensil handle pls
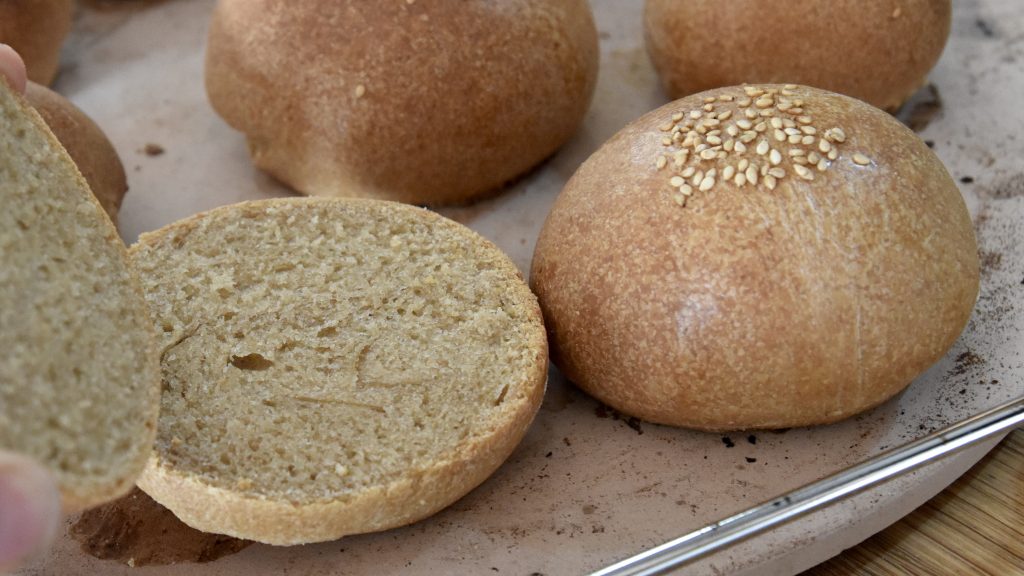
(815, 495)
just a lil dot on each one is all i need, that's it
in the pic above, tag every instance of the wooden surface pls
(976, 526)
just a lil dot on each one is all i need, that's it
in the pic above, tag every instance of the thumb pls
(29, 509)
(12, 67)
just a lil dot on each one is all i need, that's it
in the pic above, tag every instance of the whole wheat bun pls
(36, 29)
(333, 366)
(79, 375)
(87, 145)
(879, 52)
(709, 270)
(422, 102)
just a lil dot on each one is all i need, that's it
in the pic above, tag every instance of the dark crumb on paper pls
(634, 423)
(566, 441)
(548, 455)
(728, 442)
(752, 439)
(781, 430)
(929, 143)
(990, 260)
(601, 411)
(152, 149)
(750, 460)
(965, 361)
(495, 569)
(967, 179)
(985, 28)
(138, 531)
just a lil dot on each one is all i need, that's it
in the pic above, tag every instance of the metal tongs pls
(713, 537)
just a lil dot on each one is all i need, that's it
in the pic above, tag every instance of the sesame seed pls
(726, 98)
(790, 86)
(792, 131)
(708, 108)
(710, 99)
(794, 138)
(803, 172)
(666, 127)
(714, 140)
(666, 141)
(762, 147)
(698, 177)
(766, 113)
(822, 165)
(686, 189)
(729, 145)
(761, 127)
(800, 160)
(896, 13)
(740, 179)
(796, 152)
(777, 172)
(813, 157)
(713, 173)
(833, 154)
(741, 147)
(695, 114)
(706, 184)
(360, 91)
(770, 182)
(725, 115)
(677, 116)
(743, 102)
(688, 172)
(780, 135)
(708, 154)
(711, 122)
(775, 158)
(748, 137)
(751, 175)
(744, 124)
(749, 113)
(776, 123)
(728, 172)
(861, 159)
(804, 120)
(676, 181)
(732, 130)
(764, 102)
(807, 140)
(764, 169)
(824, 146)
(662, 161)
(743, 164)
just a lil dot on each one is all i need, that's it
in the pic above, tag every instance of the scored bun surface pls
(758, 257)
(333, 366)
(879, 52)
(426, 102)
(87, 145)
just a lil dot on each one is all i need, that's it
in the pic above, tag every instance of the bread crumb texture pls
(78, 376)
(316, 351)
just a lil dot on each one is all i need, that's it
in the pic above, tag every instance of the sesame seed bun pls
(879, 52)
(785, 277)
(421, 102)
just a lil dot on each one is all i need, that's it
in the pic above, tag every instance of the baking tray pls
(588, 486)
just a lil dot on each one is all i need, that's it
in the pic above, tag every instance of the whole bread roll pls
(879, 52)
(87, 145)
(421, 102)
(36, 29)
(80, 372)
(333, 366)
(758, 257)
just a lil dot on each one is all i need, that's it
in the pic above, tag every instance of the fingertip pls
(13, 68)
(30, 510)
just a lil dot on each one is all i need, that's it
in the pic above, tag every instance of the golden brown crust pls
(80, 493)
(427, 102)
(87, 145)
(879, 52)
(416, 494)
(36, 29)
(750, 307)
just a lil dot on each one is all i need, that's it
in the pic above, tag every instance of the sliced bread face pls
(333, 367)
(79, 373)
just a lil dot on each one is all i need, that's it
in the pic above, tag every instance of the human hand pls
(12, 67)
(29, 499)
